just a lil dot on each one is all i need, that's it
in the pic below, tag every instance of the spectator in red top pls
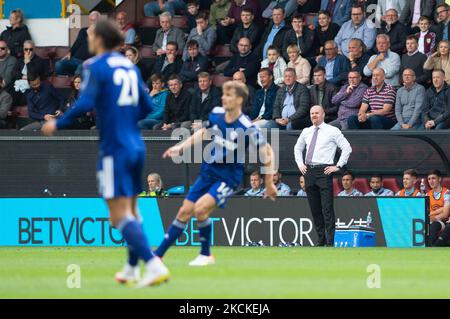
(16, 34)
(377, 108)
(127, 28)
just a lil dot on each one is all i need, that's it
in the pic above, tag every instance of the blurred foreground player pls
(232, 131)
(113, 85)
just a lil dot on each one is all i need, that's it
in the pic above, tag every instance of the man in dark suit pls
(407, 16)
(322, 92)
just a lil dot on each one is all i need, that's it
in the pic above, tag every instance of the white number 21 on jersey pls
(129, 94)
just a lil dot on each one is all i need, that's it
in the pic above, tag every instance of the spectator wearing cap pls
(167, 33)
(72, 63)
(377, 108)
(16, 34)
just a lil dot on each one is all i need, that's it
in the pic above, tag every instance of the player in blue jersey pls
(221, 173)
(113, 86)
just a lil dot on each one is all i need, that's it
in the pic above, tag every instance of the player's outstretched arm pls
(178, 149)
(268, 159)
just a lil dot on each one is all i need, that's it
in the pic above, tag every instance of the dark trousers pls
(375, 122)
(319, 189)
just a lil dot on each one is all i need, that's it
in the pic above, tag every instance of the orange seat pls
(337, 186)
(362, 185)
(446, 182)
(219, 79)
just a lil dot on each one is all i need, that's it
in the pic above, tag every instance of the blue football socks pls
(169, 238)
(204, 228)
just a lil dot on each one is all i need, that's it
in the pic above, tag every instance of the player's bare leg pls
(121, 215)
(203, 209)
(184, 214)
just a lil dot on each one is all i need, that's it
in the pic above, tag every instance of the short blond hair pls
(293, 47)
(240, 89)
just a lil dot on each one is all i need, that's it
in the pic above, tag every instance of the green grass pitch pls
(244, 272)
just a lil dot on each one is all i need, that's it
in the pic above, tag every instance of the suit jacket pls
(174, 34)
(340, 69)
(200, 110)
(341, 12)
(301, 102)
(329, 91)
(426, 9)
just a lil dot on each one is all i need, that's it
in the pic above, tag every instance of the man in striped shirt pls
(377, 108)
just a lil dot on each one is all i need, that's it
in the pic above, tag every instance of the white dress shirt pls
(329, 138)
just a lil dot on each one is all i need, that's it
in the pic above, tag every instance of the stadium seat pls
(219, 79)
(46, 53)
(149, 22)
(446, 182)
(61, 82)
(147, 52)
(179, 22)
(337, 186)
(362, 185)
(61, 52)
(222, 51)
(419, 180)
(391, 183)
(19, 111)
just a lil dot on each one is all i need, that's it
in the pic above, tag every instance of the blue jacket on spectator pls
(341, 12)
(45, 100)
(259, 99)
(340, 69)
(159, 102)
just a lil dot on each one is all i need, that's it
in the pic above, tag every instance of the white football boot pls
(202, 260)
(155, 273)
(128, 274)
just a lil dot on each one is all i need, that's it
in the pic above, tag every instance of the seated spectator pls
(72, 63)
(84, 122)
(336, 65)
(292, 104)
(275, 63)
(155, 187)
(439, 197)
(358, 27)
(244, 61)
(301, 65)
(218, 12)
(396, 31)
(348, 100)
(16, 34)
(442, 27)
(308, 7)
(132, 53)
(300, 36)
(385, 59)
(376, 187)
(413, 10)
(321, 93)
(409, 182)
(154, 7)
(357, 55)
(436, 106)
(347, 181)
(204, 99)
(239, 76)
(282, 188)
(426, 38)
(226, 26)
(384, 7)
(5, 104)
(274, 33)
(415, 61)
(247, 28)
(256, 185)
(289, 6)
(264, 98)
(408, 103)
(42, 100)
(7, 66)
(127, 28)
(339, 10)
(176, 111)
(377, 108)
(193, 8)
(301, 192)
(168, 63)
(194, 65)
(440, 60)
(204, 34)
(159, 96)
(325, 31)
(166, 34)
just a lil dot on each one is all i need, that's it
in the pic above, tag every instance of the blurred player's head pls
(317, 115)
(234, 95)
(347, 180)
(255, 180)
(434, 178)
(376, 182)
(104, 36)
(409, 178)
(154, 182)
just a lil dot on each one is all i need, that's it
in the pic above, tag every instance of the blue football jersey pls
(225, 156)
(114, 87)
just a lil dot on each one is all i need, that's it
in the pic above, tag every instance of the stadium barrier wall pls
(397, 222)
